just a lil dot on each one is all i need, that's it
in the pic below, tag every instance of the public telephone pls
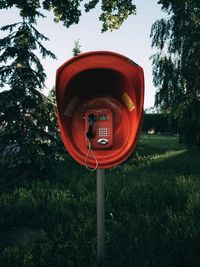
(99, 128)
(100, 97)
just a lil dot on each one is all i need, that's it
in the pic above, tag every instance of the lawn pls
(152, 212)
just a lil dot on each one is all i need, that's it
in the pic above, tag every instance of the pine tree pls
(28, 134)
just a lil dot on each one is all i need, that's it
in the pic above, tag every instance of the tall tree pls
(176, 65)
(28, 135)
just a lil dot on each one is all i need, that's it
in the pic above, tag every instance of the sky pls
(132, 39)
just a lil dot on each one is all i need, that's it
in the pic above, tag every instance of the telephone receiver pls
(91, 120)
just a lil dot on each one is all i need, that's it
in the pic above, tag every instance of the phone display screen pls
(103, 117)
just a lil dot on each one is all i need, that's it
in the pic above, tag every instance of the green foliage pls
(28, 123)
(28, 9)
(152, 212)
(160, 122)
(66, 11)
(22, 67)
(114, 12)
(176, 65)
(77, 48)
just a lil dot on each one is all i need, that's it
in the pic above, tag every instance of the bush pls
(160, 123)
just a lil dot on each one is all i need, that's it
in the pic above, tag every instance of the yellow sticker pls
(128, 102)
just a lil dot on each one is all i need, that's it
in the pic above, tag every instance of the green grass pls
(152, 212)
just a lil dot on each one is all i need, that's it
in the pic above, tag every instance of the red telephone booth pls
(100, 107)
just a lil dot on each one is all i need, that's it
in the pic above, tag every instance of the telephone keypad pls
(104, 132)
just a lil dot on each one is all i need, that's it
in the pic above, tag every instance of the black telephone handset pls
(91, 119)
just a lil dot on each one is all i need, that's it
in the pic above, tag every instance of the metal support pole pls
(100, 217)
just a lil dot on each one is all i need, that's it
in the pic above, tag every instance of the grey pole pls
(100, 217)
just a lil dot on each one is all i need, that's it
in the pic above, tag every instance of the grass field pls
(152, 212)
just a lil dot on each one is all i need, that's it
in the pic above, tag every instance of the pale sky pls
(131, 40)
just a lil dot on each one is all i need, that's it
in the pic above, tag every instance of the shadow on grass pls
(172, 163)
(154, 209)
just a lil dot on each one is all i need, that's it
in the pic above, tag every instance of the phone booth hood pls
(100, 83)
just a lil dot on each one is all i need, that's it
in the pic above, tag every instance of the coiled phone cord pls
(87, 155)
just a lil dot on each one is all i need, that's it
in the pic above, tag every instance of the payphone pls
(100, 99)
(99, 128)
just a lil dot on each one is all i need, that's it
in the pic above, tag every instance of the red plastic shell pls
(93, 80)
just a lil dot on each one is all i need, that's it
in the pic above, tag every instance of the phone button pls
(103, 141)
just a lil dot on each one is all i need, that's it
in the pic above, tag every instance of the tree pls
(176, 65)
(77, 48)
(28, 134)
